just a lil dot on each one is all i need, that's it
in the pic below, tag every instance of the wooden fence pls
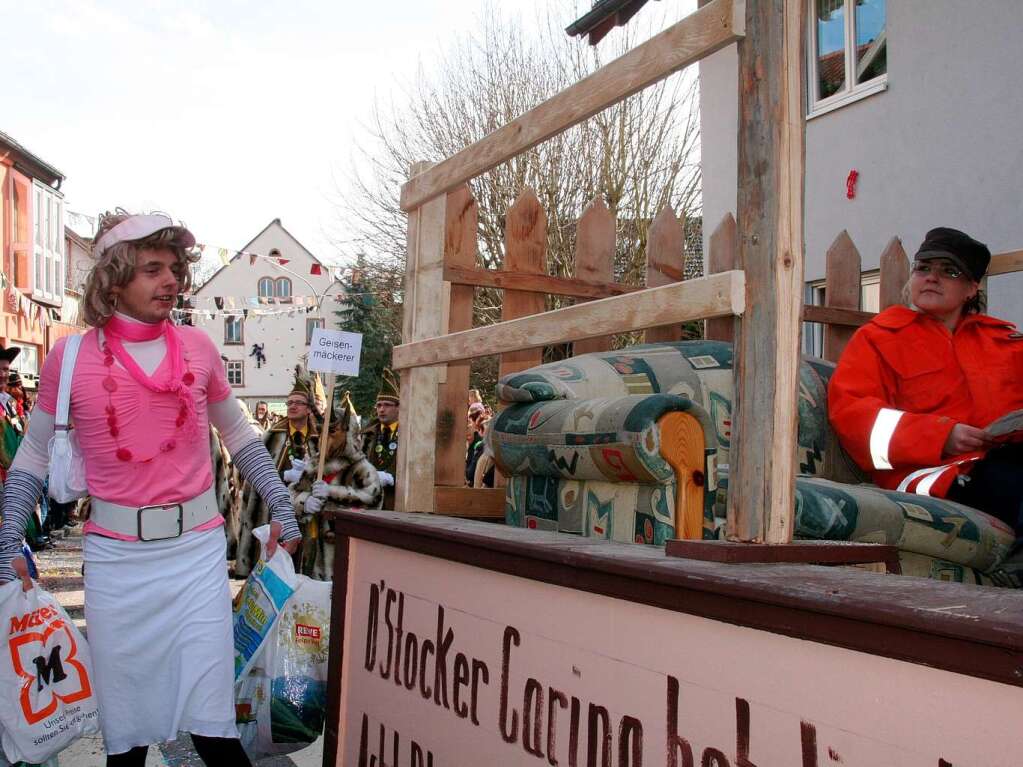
(526, 286)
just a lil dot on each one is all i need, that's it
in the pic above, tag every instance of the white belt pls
(157, 522)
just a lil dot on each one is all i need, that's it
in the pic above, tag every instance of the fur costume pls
(352, 481)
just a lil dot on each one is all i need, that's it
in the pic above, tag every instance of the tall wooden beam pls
(423, 317)
(770, 234)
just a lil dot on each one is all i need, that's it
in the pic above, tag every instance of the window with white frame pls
(270, 288)
(233, 330)
(235, 372)
(282, 288)
(48, 244)
(816, 295)
(848, 52)
(311, 324)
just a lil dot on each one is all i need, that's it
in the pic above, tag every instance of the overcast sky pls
(223, 113)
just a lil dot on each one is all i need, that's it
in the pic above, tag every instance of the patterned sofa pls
(633, 446)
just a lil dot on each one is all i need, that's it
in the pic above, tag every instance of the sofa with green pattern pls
(633, 446)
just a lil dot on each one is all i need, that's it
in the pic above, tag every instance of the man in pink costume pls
(144, 392)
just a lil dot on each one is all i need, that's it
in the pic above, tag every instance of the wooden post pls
(770, 229)
(525, 251)
(665, 253)
(594, 260)
(894, 274)
(459, 251)
(422, 318)
(841, 290)
(722, 257)
(326, 425)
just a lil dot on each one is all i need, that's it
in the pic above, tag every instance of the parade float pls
(691, 571)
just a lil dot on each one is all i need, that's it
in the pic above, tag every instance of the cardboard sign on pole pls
(333, 352)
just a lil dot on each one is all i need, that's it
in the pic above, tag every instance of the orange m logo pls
(52, 673)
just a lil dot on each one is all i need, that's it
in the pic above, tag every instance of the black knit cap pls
(967, 253)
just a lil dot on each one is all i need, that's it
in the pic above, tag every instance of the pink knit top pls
(167, 466)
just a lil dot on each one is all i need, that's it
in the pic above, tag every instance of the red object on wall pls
(850, 184)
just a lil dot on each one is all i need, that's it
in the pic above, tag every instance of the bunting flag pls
(224, 258)
(315, 269)
(252, 259)
(219, 301)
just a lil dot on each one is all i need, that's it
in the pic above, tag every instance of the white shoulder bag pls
(67, 466)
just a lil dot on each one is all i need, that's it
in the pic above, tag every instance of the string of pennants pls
(16, 301)
(226, 256)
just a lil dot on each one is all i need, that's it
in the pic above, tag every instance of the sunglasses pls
(948, 271)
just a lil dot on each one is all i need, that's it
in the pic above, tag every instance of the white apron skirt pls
(158, 616)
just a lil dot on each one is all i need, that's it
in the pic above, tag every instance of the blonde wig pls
(115, 267)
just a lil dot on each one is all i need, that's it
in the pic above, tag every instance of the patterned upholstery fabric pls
(581, 448)
(700, 371)
(615, 511)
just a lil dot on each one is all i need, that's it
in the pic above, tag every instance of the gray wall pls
(943, 146)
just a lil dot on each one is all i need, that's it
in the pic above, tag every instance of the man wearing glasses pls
(919, 387)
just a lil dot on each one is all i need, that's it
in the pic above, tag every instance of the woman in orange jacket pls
(916, 387)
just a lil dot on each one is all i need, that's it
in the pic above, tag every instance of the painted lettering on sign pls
(435, 667)
(447, 664)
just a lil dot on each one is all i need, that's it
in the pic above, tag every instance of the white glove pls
(313, 505)
(320, 489)
(386, 478)
(294, 474)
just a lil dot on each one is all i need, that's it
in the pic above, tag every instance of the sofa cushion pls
(700, 371)
(933, 527)
(614, 511)
(610, 439)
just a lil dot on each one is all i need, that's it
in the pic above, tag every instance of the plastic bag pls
(46, 676)
(281, 700)
(256, 607)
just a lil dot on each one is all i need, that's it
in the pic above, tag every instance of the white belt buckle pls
(163, 526)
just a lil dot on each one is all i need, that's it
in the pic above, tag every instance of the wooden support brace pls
(423, 318)
(770, 225)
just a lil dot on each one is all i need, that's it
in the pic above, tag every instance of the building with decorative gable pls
(260, 309)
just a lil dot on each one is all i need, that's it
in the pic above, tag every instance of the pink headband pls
(138, 227)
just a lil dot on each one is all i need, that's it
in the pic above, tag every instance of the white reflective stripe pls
(908, 479)
(925, 485)
(881, 436)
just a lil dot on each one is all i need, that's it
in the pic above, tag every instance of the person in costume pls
(916, 387)
(380, 437)
(143, 394)
(349, 481)
(289, 442)
(264, 418)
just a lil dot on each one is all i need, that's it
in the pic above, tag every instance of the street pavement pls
(60, 573)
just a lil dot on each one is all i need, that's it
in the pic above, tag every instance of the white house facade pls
(258, 302)
(921, 98)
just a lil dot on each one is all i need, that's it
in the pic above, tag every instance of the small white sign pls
(335, 351)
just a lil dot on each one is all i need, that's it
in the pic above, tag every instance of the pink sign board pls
(448, 664)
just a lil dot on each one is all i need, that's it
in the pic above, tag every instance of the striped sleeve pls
(257, 468)
(21, 493)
